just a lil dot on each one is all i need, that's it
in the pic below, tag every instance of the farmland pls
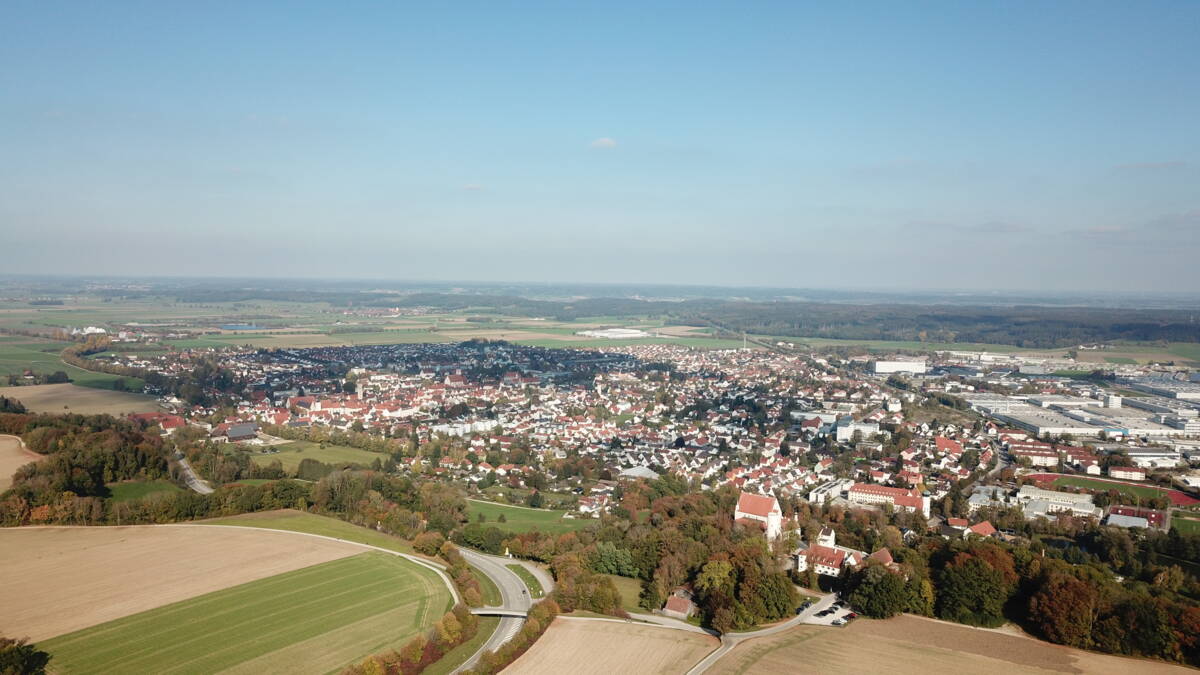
(311, 620)
(291, 454)
(521, 519)
(18, 354)
(13, 455)
(62, 398)
(584, 646)
(134, 569)
(922, 646)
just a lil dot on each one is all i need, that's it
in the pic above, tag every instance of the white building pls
(916, 367)
(761, 509)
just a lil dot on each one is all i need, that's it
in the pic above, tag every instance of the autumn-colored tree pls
(1064, 608)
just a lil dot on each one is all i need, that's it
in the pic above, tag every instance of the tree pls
(971, 592)
(18, 657)
(1063, 609)
(877, 592)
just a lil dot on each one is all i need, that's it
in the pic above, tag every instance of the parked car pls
(839, 622)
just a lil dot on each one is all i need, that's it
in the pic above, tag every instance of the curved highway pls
(513, 595)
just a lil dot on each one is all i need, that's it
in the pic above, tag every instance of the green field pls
(1133, 491)
(44, 357)
(314, 620)
(1120, 360)
(291, 454)
(519, 519)
(535, 586)
(132, 490)
(630, 590)
(1185, 525)
(298, 521)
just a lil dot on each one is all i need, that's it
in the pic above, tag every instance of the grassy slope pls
(523, 519)
(291, 454)
(131, 490)
(535, 586)
(310, 620)
(298, 521)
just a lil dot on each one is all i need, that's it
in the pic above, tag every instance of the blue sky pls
(925, 145)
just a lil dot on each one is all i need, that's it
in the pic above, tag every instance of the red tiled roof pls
(758, 505)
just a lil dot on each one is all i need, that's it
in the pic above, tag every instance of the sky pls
(931, 145)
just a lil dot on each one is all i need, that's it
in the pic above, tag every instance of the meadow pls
(311, 620)
(521, 519)
(128, 491)
(630, 590)
(291, 454)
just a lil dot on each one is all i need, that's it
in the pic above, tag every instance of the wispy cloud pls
(1168, 231)
(604, 143)
(473, 187)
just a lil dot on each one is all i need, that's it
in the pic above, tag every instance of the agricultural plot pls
(919, 646)
(13, 456)
(44, 357)
(134, 569)
(520, 519)
(312, 620)
(291, 454)
(63, 398)
(583, 646)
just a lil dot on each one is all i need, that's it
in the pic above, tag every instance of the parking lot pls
(830, 612)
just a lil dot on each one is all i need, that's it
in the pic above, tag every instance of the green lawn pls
(535, 586)
(1185, 525)
(629, 589)
(518, 519)
(1089, 484)
(132, 490)
(291, 454)
(298, 521)
(313, 620)
(1120, 360)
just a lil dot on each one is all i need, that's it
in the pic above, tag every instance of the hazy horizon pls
(1029, 147)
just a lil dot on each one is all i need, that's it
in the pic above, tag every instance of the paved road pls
(513, 595)
(189, 476)
(731, 640)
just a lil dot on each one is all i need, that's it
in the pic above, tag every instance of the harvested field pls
(46, 591)
(308, 621)
(13, 455)
(909, 644)
(61, 398)
(581, 646)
